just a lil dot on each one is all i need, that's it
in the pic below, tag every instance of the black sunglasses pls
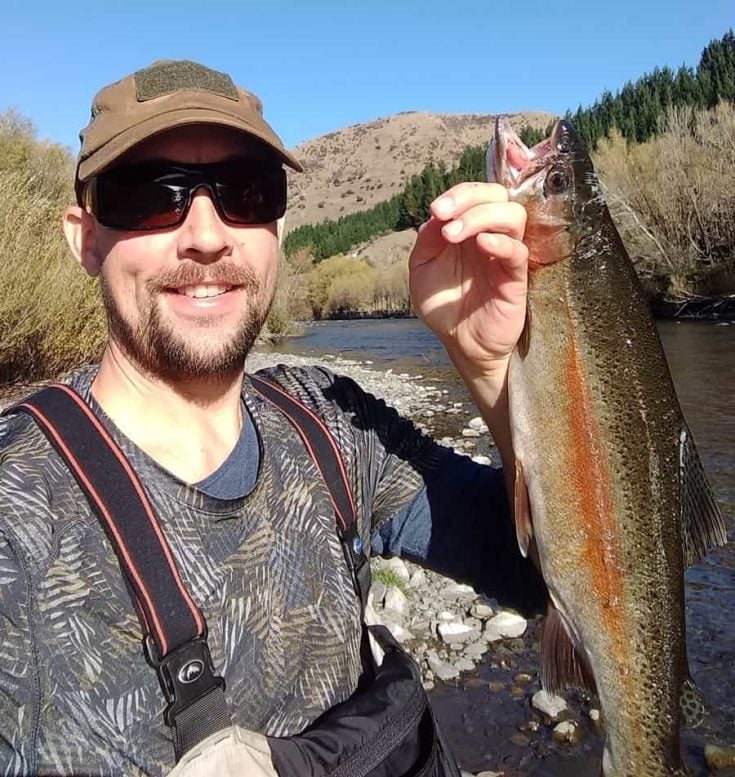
(157, 195)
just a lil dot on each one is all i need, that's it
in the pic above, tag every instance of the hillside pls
(357, 167)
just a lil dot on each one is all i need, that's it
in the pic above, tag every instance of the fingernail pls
(453, 229)
(444, 206)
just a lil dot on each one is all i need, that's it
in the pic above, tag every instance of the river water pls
(482, 726)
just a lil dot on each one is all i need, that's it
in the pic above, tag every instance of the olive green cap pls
(164, 95)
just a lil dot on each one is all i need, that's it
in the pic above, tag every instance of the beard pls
(158, 349)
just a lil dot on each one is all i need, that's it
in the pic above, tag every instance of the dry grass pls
(674, 201)
(50, 318)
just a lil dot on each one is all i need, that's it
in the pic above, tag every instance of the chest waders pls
(385, 729)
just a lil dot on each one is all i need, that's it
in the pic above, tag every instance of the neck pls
(189, 426)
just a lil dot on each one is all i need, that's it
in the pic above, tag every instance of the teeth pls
(203, 291)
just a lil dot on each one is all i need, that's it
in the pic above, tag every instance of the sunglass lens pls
(124, 203)
(253, 197)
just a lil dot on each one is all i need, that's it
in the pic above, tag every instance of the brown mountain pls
(357, 167)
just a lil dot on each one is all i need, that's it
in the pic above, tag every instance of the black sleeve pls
(460, 525)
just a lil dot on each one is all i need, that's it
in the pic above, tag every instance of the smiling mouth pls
(202, 291)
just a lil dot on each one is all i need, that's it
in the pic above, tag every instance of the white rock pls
(446, 617)
(453, 633)
(594, 714)
(476, 650)
(400, 633)
(507, 624)
(489, 774)
(396, 600)
(464, 665)
(477, 424)
(458, 590)
(441, 668)
(398, 566)
(418, 579)
(470, 433)
(566, 731)
(481, 611)
(482, 460)
(549, 704)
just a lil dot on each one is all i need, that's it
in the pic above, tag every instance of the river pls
(701, 356)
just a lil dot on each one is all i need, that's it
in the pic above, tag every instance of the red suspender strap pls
(325, 453)
(172, 623)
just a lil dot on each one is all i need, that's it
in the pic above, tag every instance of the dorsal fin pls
(702, 527)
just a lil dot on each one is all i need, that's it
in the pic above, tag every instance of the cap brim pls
(131, 137)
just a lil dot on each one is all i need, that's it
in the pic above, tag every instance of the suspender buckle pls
(185, 674)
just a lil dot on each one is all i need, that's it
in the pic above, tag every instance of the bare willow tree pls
(674, 201)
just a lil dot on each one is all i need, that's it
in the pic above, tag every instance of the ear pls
(80, 229)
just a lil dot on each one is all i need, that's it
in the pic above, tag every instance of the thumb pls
(429, 242)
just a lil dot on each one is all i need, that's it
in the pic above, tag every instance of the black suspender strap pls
(175, 633)
(324, 451)
(174, 627)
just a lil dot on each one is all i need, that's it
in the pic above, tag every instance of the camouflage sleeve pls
(18, 665)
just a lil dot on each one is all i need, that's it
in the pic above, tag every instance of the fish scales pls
(597, 433)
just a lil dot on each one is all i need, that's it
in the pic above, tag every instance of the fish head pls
(555, 181)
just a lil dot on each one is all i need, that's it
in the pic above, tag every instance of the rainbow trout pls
(611, 499)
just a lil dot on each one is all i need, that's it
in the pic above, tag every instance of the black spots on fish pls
(692, 704)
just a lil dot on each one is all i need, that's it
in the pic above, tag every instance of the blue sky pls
(323, 65)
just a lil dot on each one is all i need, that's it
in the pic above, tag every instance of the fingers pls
(507, 218)
(511, 252)
(466, 195)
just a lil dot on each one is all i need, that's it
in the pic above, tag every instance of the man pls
(180, 187)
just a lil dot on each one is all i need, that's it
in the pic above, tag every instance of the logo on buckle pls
(191, 671)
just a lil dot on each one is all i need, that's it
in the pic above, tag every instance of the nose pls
(203, 236)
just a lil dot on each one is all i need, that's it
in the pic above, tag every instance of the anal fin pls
(562, 666)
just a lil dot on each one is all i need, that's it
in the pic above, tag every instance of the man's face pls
(188, 301)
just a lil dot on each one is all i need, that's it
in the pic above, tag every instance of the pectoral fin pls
(562, 665)
(702, 527)
(522, 511)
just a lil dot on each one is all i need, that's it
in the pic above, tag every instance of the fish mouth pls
(513, 164)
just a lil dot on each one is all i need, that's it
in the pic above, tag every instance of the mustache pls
(221, 273)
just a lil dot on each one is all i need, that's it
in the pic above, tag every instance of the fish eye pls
(557, 181)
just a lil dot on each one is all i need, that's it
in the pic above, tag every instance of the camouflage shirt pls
(76, 694)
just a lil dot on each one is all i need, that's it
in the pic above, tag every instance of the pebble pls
(453, 632)
(567, 731)
(400, 633)
(464, 665)
(718, 757)
(418, 579)
(549, 704)
(398, 567)
(446, 617)
(396, 601)
(445, 671)
(482, 460)
(482, 611)
(477, 424)
(378, 589)
(505, 624)
(470, 433)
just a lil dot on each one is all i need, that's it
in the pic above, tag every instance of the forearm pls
(489, 390)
